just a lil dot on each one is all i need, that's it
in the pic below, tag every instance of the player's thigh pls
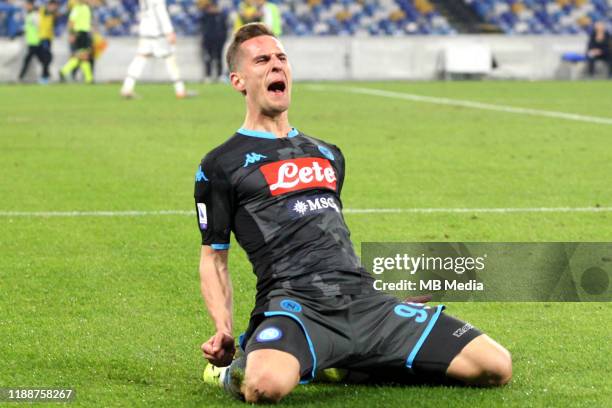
(413, 340)
(278, 354)
(482, 361)
(162, 48)
(145, 47)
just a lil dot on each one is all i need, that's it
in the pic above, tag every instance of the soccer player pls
(79, 24)
(278, 190)
(157, 39)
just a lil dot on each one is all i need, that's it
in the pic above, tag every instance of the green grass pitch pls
(111, 306)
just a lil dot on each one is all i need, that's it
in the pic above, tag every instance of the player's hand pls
(219, 349)
(171, 37)
(418, 299)
(594, 53)
(71, 38)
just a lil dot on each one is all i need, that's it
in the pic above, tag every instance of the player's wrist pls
(225, 328)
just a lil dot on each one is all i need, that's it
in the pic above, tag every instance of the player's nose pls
(277, 64)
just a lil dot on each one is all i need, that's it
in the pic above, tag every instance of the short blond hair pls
(245, 33)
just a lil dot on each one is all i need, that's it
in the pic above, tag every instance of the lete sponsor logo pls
(298, 174)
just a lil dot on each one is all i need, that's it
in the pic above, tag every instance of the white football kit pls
(154, 31)
(155, 26)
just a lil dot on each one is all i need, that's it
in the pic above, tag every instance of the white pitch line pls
(134, 213)
(346, 210)
(467, 104)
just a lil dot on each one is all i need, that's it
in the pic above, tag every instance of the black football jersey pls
(281, 198)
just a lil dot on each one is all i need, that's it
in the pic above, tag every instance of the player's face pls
(265, 73)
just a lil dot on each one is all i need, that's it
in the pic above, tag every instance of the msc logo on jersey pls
(312, 205)
(251, 158)
(285, 176)
(200, 175)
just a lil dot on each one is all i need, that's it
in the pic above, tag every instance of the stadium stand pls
(543, 16)
(363, 17)
(300, 17)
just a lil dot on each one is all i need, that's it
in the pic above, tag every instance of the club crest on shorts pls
(291, 305)
(269, 334)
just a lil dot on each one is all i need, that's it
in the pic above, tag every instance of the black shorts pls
(359, 332)
(82, 41)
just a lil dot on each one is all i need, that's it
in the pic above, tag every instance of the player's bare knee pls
(265, 386)
(482, 362)
(497, 371)
(502, 368)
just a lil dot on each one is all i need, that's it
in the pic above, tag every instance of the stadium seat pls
(354, 17)
(542, 16)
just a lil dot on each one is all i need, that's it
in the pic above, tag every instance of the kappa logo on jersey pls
(303, 173)
(251, 158)
(461, 331)
(200, 175)
(312, 205)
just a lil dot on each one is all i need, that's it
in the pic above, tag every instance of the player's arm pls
(214, 206)
(216, 289)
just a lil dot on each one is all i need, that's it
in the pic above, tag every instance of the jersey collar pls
(265, 135)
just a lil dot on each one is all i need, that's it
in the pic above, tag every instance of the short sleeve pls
(340, 167)
(214, 204)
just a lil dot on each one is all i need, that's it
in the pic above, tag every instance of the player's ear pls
(237, 82)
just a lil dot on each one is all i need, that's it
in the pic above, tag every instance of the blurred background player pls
(47, 17)
(214, 35)
(79, 24)
(32, 37)
(157, 39)
(599, 48)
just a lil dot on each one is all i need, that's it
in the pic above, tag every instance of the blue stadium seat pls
(348, 17)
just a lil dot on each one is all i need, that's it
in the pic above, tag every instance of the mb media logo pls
(251, 158)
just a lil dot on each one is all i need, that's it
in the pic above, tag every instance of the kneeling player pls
(278, 190)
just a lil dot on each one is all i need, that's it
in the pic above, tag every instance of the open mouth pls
(277, 87)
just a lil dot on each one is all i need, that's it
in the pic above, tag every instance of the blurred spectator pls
(214, 35)
(47, 16)
(599, 48)
(32, 37)
(271, 16)
(248, 12)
